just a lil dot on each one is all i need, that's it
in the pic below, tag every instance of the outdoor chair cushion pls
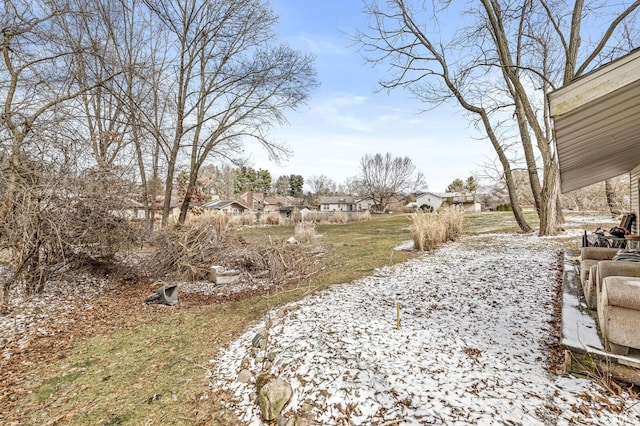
(619, 313)
(590, 256)
(598, 253)
(589, 287)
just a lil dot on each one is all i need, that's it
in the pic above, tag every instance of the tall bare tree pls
(140, 48)
(321, 185)
(230, 81)
(40, 151)
(498, 64)
(383, 177)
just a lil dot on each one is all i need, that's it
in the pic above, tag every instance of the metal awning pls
(597, 123)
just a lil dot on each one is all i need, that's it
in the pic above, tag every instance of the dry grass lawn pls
(151, 368)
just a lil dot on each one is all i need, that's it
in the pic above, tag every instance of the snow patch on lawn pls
(469, 349)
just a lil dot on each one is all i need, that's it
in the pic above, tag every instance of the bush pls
(245, 219)
(453, 219)
(340, 217)
(305, 231)
(427, 232)
(361, 216)
(430, 230)
(273, 218)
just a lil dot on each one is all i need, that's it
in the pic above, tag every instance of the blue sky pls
(346, 118)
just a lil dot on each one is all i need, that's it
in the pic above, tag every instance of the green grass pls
(155, 372)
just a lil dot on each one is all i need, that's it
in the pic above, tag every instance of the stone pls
(258, 341)
(271, 356)
(231, 276)
(262, 380)
(285, 421)
(272, 398)
(245, 363)
(244, 376)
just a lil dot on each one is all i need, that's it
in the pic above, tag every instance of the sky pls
(347, 117)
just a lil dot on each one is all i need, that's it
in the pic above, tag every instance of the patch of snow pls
(405, 246)
(469, 350)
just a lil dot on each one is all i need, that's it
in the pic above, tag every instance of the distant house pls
(365, 204)
(276, 203)
(135, 210)
(252, 200)
(345, 203)
(435, 199)
(227, 206)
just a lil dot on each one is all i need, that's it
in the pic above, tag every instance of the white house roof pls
(338, 199)
(439, 194)
(221, 204)
(597, 123)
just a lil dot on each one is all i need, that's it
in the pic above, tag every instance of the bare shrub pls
(245, 219)
(217, 219)
(337, 216)
(361, 216)
(340, 217)
(312, 216)
(453, 219)
(273, 218)
(427, 232)
(248, 219)
(305, 232)
(430, 230)
(45, 228)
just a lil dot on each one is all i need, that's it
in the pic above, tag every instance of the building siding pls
(635, 197)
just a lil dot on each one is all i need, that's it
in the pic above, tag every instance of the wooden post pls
(397, 315)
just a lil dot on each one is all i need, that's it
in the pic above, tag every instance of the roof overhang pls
(597, 123)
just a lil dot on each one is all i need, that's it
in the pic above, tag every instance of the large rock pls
(272, 398)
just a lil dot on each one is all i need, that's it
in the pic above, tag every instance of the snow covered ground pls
(470, 348)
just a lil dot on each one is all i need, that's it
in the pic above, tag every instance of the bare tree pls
(594, 197)
(223, 180)
(321, 185)
(498, 65)
(350, 185)
(383, 177)
(140, 47)
(40, 152)
(231, 82)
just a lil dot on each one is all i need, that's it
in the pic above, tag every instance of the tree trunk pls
(518, 214)
(529, 155)
(168, 190)
(559, 214)
(549, 198)
(184, 208)
(608, 190)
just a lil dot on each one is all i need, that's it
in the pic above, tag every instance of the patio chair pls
(619, 313)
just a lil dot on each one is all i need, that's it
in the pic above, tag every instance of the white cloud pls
(321, 46)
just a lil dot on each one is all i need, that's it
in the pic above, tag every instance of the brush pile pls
(189, 252)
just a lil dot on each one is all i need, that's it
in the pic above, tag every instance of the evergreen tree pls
(296, 182)
(456, 186)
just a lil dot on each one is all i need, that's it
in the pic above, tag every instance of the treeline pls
(105, 99)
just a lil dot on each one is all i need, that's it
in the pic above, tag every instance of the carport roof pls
(597, 123)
